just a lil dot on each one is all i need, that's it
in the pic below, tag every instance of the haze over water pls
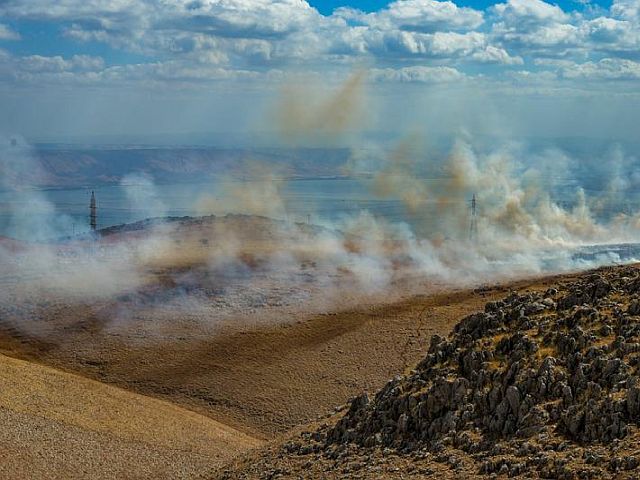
(306, 200)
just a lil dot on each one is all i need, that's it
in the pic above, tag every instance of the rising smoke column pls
(308, 114)
(31, 216)
(519, 221)
(45, 263)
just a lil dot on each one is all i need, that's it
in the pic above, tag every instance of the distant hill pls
(582, 162)
(72, 166)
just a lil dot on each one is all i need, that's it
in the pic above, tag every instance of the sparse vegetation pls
(539, 385)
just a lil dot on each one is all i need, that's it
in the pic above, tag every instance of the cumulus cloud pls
(607, 68)
(195, 41)
(545, 30)
(255, 32)
(603, 69)
(532, 25)
(6, 33)
(493, 54)
(626, 9)
(527, 76)
(519, 13)
(425, 16)
(39, 63)
(417, 74)
(81, 70)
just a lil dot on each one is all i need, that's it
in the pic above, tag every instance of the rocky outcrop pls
(560, 364)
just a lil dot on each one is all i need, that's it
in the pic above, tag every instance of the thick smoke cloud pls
(30, 215)
(537, 210)
(41, 269)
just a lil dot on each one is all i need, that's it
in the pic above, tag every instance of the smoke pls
(307, 112)
(536, 212)
(516, 206)
(398, 177)
(259, 193)
(42, 269)
(143, 196)
(29, 214)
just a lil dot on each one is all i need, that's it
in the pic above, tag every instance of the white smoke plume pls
(143, 196)
(251, 257)
(30, 215)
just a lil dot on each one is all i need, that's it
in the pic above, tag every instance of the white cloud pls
(557, 34)
(531, 25)
(526, 13)
(417, 74)
(258, 31)
(6, 33)
(612, 35)
(605, 69)
(541, 29)
(493, 54)
(626, 9)
(188, 40)
(41, 64)
(424, 16)
(526, 76)
(81, 70)
(451, 43)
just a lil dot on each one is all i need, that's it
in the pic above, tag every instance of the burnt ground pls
(272, 371)
(255, 353)
(260, 379)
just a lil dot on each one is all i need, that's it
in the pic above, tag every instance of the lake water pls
(68, 209)
(59, 213)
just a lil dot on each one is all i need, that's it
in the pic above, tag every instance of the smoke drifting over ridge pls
(534, 214)
(307, 112)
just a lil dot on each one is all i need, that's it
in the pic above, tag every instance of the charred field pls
(272, 359)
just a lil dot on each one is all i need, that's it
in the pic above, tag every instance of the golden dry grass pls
(47, 406)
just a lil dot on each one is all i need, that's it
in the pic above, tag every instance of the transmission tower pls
(473, 227)
(92, 212)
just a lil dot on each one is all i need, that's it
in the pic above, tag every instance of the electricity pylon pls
(473, 227)
(93, 218)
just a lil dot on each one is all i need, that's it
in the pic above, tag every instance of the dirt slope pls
(540, 385)
(59, 425)
(247, 349)
(258, 377)
(261, 379)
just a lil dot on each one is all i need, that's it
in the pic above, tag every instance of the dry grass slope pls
(60, 425)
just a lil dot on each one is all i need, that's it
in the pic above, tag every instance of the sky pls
(77, 68)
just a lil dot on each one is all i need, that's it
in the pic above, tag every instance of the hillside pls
(187, 368)
(60, 425)
(538, 385)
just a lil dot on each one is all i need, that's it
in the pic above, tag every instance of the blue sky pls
(81, 66)
(47, 37)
